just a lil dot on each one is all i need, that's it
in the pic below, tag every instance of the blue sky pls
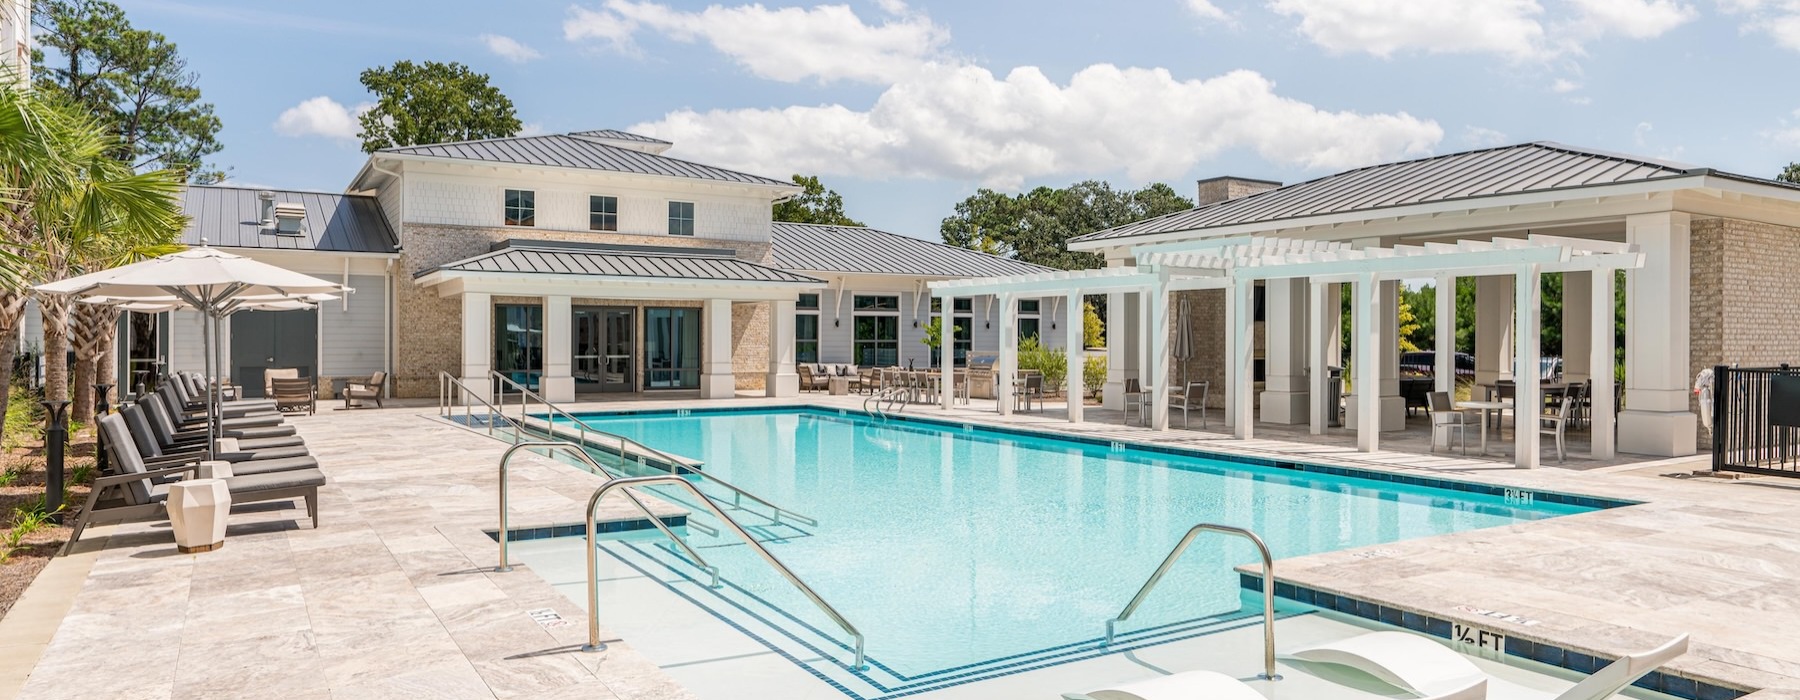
(907, 107)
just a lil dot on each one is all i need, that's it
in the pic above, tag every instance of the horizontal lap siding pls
(351, 340)
(187, 352)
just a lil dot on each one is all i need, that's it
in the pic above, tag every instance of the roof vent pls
(266, 208)
(288, 217)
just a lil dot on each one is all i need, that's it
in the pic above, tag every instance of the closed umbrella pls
(208, 280)
(1184, 340)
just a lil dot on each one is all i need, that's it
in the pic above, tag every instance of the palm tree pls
(94, 327)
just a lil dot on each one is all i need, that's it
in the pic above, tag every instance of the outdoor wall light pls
(915, 324)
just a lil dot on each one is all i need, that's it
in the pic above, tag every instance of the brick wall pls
(1741, 300)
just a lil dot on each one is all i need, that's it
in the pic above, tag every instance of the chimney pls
(266, 209)
(1219, 189)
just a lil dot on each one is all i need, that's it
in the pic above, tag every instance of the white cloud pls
(789, 44)
(1641, 134)
(1780, 19)
(321, 116)
(1205, 10)
(509, 48)
(531, 129)
(959, 121)
(1386, 27)
(1637, 19)
(1564, 86)
(1482, 137)
(1788, 133)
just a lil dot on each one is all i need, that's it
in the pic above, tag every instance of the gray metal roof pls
(617, 135)
(821, 248)
(570, 151)
(551, 258)
(230, 217)
(1528, 167)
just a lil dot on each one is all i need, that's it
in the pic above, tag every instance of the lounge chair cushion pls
(270, 466)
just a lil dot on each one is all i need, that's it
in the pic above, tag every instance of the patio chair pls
(195, 429)
(273, 373)
(1445, 417)
(189, 390)
(1555, 423)
(251, 419)
(356, 392)
(1423, 666)
(1187, 398)
(150, 444)
(142, 491)
(810, 381)
(299, 393)
(868, 380)
(1031, 387)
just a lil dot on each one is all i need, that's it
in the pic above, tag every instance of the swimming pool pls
(961, 551)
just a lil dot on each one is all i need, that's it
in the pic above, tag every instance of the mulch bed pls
(35, 551)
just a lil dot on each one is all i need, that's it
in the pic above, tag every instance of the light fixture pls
(915, 323)
(837, 322)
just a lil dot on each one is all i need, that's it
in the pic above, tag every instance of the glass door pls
(602, 351)
(672, 348)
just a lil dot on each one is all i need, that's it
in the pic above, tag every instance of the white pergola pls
(1236, 264)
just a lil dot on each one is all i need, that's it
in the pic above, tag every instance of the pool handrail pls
(448, 388)
(593, 570)
(572, 448)
(1268, 588)
(675, 463)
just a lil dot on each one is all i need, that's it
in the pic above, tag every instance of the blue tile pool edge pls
(1666, 682)
(611, 527)
(1505, 492)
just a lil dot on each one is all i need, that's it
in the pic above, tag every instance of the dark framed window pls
(1028, 328)
(519, 342)
(521, 208)
(1029, 307)
(1259, 307)
(603, 213)
(963, 340)
(877, 341)
(671, 348)
(806, 338)
(963, 305)
(875, 303)
(808, 301)
(681, 218)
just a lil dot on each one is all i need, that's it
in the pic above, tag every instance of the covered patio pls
(1300, 279)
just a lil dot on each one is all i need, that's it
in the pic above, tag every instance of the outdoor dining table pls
(1485, 407)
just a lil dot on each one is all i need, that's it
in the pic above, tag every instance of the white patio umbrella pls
(208, 280)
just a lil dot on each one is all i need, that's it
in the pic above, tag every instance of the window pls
(1028, 324)
(806, 338)
(521, 208)
(808, 301)
(519, 342)
(1028, 307)
(1028, 328)
(671, 348)
(964, 305)
(877, 341)
(603, 213)
(876, 303)
(963, 340)
(681, 218)
(1259, 307)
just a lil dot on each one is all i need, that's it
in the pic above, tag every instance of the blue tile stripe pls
(520, 534)
(1666, 682)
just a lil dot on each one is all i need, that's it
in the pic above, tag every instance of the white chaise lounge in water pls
(1426, 667)
(1212, 685)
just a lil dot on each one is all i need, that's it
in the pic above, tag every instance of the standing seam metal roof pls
(552, 260)
(230, 217)
(1529, 167)
(617, 135)
(823, 248)
(569, 151)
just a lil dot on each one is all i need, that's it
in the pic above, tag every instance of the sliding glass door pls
(671, 348)
(602, 351)
(519, 342)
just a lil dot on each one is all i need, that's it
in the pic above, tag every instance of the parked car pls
(1424, 363)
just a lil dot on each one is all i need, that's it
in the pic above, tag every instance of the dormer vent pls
(288, 218)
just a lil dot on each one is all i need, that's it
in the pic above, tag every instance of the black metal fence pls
(1756, 420)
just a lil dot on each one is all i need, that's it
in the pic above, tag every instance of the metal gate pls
(1756, 420)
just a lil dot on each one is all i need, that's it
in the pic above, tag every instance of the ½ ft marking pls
(1480, 638)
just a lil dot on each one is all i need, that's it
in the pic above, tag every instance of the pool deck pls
(393, 595)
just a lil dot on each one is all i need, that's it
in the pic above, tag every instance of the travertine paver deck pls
(391, 595)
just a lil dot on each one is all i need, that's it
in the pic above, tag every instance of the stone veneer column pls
(1656, 419)
(558, 383)
(477, 342)
(1285, 394)
(782, 382)
(716, 378)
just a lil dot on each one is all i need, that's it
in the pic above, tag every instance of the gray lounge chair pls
(142, 491)
(253, 420)
(155, 451)
(191, 388)
(161, 413)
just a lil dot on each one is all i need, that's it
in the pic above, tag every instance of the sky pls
(907, 107)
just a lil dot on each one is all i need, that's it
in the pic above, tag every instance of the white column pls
(1365, 359)
(1147, 300)
(1528, 399)
(781, 382)
(1156, 307)
(1600, 360)
(947, 351)
(1231, 368)
(1577, 309)
(1444, 344)
(1284, 398)
(1121, 334)
(1322, 339)
(477, 342)
(1007, 369)
(1493, 329)
(716, 378)
(1240, 337)
(1072, 384)
(1393, 405)
(558, 383)
(1656, 420)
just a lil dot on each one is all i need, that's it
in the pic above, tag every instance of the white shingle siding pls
(393, 200)
(352, 340)
(561, 204)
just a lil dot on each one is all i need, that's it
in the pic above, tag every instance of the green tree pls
(815, 205)
(1093, 329)
(1036, 226)
(1790, 174)
(134, 81)
(432, 102)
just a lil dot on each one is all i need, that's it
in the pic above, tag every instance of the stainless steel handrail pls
(447, 405)
(675, 463)
(1268, 588)
(593, 571)
(577, 450)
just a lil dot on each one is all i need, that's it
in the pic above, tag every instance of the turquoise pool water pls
(955, 548)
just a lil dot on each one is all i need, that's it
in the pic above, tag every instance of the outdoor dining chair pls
(1445, 417)
(1555, 423)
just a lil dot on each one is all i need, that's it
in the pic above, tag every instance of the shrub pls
(1093, 373)
(1053, 364)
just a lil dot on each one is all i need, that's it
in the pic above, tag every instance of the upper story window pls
(603, 213)
(1028, 307)
(521, 208)
(808, 302)
(876, 303)
(681, 218)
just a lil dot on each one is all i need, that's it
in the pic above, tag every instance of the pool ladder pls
(1268, 588)
(886, 399)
